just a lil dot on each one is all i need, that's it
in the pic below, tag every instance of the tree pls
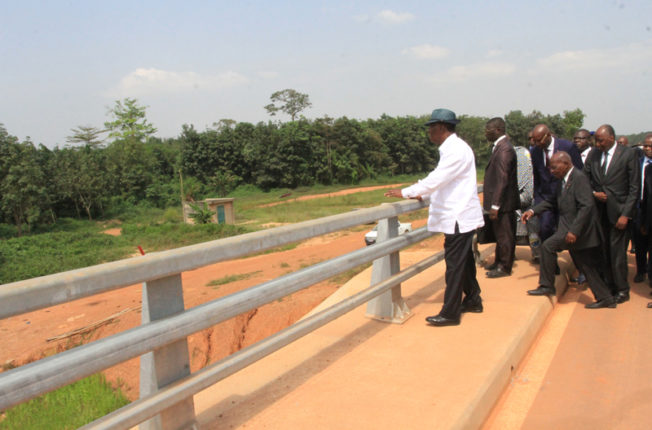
(291, 102)
(22, 186)
(129, 122)
(88, 135)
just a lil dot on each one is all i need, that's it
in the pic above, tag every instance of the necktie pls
(547, 158)
(604, 163)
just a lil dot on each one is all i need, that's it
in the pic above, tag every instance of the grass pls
(69, 407)
(72, 244)
(231, 278)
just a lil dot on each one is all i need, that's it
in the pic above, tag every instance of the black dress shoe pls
(649, 305)
(542, 291)
(622, 297)
(491, 266)
(639, 277)
(497, 273)
(440, 321)
(609, 302)
(476, 308)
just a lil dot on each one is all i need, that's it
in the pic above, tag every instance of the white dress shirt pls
(550, 150)
(646, 161)
(452, 188)
(585, 154)
(610, 156)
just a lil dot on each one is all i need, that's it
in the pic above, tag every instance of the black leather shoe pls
(497, 273)
(440, 321)
(639, 277)
(490, 267)
(609, 302)
(542, 291)
(649, 305)
(622, 297)
(476, 309)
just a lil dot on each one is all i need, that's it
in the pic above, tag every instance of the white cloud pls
(427, 51)
(623, 58)
(391, 17)
(152, 81)
(475, 71)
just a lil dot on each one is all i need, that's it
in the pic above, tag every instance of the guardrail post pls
(163, 298)
(389, 306)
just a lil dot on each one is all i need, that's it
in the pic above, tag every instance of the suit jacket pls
(577, 211)
(622, 183)
(646, 204)
(545, 184)
(500, 180)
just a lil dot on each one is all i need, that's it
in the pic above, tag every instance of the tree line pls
(92, 177)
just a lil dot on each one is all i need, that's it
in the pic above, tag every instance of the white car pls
(370, 237)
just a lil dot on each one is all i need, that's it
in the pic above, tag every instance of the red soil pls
(25, 337)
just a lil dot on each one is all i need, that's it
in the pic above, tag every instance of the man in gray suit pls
(578, 231)
(615, 175)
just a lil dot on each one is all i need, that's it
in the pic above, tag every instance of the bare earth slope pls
(28, 337)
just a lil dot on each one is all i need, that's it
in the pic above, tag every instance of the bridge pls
(365, 358)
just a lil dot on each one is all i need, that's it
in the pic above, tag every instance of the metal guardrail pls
(162, 336)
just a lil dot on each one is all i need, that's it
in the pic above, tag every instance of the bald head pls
(605, 137)
(560, 164)
(541, 136)
(623, 140)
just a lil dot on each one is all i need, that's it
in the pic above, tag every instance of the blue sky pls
(64, 63)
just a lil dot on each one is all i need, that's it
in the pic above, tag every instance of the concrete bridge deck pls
(584, 369)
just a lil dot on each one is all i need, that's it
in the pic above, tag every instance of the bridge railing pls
(166, 384)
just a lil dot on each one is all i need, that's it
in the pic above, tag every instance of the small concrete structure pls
(222, 209)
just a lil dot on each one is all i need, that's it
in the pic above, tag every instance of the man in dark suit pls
(578, 231)
(640, 239)
(501, 197)
(646, 204)
(615, 176)
(545, 145)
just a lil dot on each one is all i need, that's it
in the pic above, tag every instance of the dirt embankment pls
(38, 334)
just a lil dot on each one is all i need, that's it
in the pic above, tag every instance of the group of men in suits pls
(585, 198)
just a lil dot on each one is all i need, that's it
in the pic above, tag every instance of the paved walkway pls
(357, 373)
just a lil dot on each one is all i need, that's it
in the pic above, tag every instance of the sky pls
(63, 64)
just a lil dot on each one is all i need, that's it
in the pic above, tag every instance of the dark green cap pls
(443, 115)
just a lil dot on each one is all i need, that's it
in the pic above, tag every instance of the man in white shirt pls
(455, 210)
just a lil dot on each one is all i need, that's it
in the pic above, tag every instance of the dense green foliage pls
(100, 180)
(69, 407)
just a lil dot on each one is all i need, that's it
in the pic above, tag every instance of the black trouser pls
(504, 227)
(460, 273)
(640, 240)
(587, 261)
(615, 256)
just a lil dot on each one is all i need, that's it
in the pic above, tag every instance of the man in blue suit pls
(545, 184)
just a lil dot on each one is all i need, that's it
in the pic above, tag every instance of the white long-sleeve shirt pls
(452, 188)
